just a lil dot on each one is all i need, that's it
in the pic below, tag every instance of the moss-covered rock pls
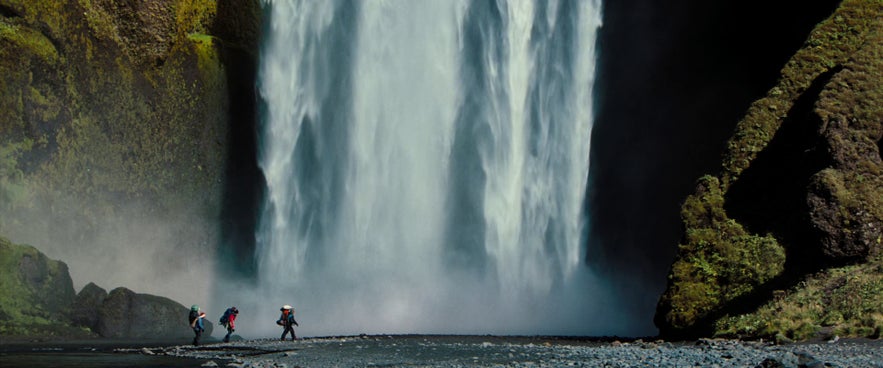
(719, 262)
(35, 294)
(800, 191)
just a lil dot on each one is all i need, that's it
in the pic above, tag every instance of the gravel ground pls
(496, 351)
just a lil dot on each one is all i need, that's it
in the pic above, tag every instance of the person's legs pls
(197, 333)
(288, 330)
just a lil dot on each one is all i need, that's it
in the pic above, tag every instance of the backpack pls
(193, 316)
(225, 318)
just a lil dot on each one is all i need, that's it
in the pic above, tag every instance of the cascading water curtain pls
(426, 165)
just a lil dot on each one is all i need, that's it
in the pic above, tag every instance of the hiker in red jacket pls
(229, 320)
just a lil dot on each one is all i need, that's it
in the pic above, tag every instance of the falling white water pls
(426, 165)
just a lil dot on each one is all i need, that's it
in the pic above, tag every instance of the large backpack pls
(225, 318)
(194, 314)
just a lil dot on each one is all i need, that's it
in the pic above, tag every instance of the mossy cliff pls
(785, 240)
(36, 292)
(115, 127)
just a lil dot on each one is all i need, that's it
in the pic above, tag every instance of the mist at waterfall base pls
(426, 167)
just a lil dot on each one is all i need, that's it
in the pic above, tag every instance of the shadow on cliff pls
(244, 185)
(767, 197)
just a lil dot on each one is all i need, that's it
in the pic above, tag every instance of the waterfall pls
(426, 165)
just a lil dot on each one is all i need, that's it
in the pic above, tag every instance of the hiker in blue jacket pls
(196, 317)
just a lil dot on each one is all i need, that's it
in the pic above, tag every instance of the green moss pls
(17, 304)
(831, 44)
(719, 260)
(48, 12)
(206, 52)
(846, 300)
(29, 40)
(195, 16)
(100, 23)
(36, 290)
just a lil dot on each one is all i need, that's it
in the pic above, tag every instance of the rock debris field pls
(496, 351)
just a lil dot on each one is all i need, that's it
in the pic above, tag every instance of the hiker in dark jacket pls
(229, 320)
(196, 317)
(286, 320)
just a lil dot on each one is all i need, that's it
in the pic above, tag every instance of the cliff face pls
(115, 123)
(785, 241)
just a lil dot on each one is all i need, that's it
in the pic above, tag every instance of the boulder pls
(126, 314)
(85, 309)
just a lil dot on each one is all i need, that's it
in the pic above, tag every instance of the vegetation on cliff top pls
(800, 192)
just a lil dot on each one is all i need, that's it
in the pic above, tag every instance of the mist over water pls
(426, 166)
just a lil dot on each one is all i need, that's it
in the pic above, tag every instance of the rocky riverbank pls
(468, 351)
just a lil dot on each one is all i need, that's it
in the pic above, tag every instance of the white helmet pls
(286, 306)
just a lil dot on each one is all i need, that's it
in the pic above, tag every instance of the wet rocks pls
(466, 351)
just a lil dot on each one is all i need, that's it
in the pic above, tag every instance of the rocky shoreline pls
(497, 351)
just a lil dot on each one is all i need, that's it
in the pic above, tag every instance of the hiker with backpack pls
(228, 321)
(195, 319)
(286, 320)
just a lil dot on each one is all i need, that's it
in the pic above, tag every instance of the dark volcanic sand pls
(495, 351)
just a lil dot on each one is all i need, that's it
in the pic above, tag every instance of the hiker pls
(286, 320)
(228, 320)
(196, 317)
